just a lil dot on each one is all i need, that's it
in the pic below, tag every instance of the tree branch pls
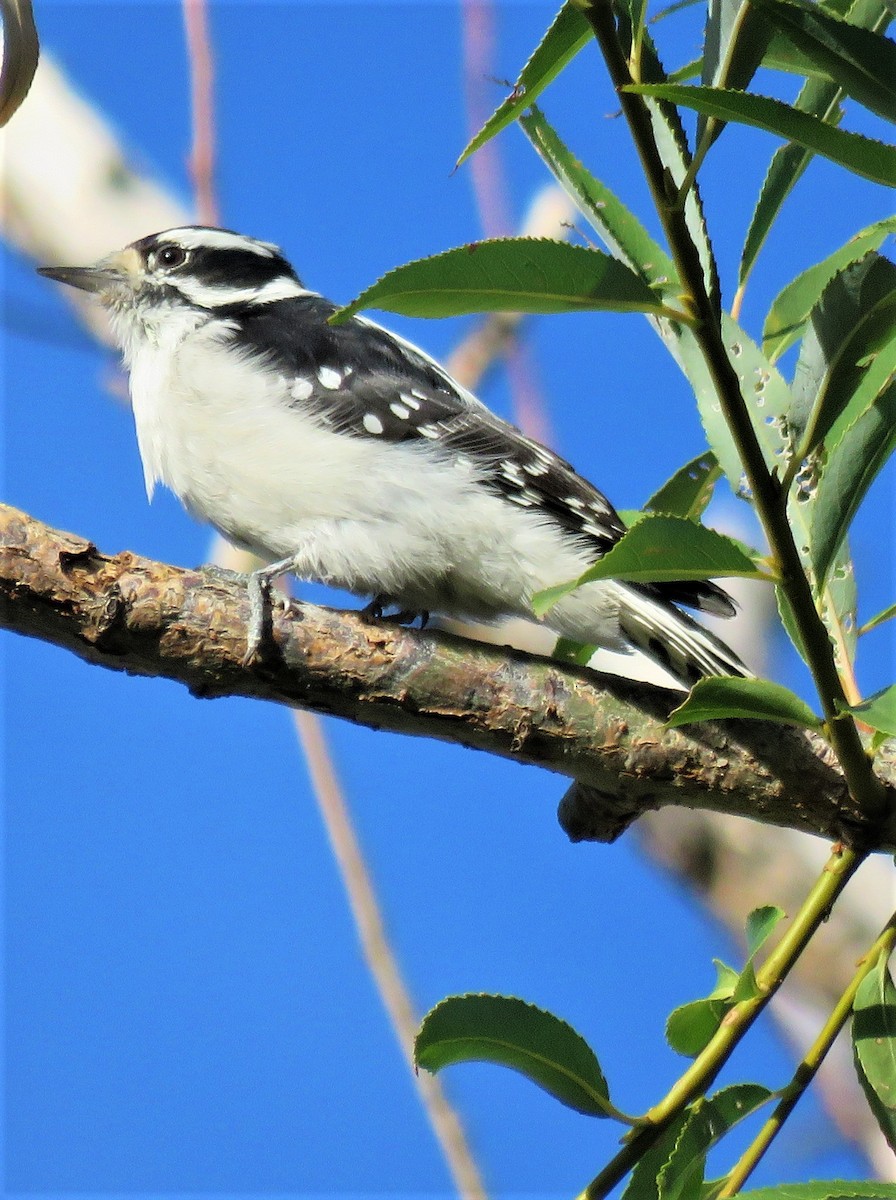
(132, 614)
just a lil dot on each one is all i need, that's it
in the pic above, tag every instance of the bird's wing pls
(359, 379)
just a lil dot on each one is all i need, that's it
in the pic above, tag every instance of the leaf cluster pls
(509, 1032)
(802, 446)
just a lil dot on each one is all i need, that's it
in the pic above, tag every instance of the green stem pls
(697, 161)
(770, 499)
(702, 1072)
(807, 1069)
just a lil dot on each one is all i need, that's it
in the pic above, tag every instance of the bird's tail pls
(673, 639)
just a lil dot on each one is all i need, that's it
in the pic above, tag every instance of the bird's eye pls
(170, 256)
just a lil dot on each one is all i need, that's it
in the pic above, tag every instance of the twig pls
(489, 186)
(490, 190)
(202, 153)
(378, 953)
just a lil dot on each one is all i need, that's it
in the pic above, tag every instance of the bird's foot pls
(374, 613)
(407, 616)
(262, 599)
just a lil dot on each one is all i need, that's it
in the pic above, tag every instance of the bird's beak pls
(109, 275)
(88, 279)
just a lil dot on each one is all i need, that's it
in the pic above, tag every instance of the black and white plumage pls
(352, 458)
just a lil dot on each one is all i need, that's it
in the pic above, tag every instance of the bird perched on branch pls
(352, 458)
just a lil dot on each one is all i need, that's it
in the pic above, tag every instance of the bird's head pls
(194, 269)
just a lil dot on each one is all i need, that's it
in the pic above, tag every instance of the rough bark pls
(132, 614)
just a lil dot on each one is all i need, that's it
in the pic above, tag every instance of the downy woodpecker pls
(351, 457)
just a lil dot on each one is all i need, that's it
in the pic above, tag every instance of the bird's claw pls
(408, 616)
(373, 613)
(263, 596)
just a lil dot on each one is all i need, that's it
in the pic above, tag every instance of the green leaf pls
(673, 1168)
(782, 55)
(566, 650)
(790, 311)
(534, 275)
(674, 151)
(848, 328)
(821, 99)
(863, 63)
(862, 155)
(671, 9)
(719, 697)
(512, 1033)
(689, 490)
(708, 1121)
(726, 980)
(568, 33)
(873, 375)
(787, 165)
(886, 614)
(879, 711)
(662, 551)
(544, 600)
(823, 1189)
(837, 601)
(646, 1179)
(617, 226)
(661, 548)
(874, 1045)
(690, 70)
(736, 39)
(788, 620)
(691, 1027)
(747, 987)
(669, 135)
(761, 924)
(852, 466)
(765, 392)
(630, 27)
(769, 402)
(735, 42)
(838, 606)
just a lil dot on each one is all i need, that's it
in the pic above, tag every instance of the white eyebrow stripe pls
(195, 239)
(283, 288)
(215, 295)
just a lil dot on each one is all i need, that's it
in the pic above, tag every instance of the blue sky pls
(186, 1007)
